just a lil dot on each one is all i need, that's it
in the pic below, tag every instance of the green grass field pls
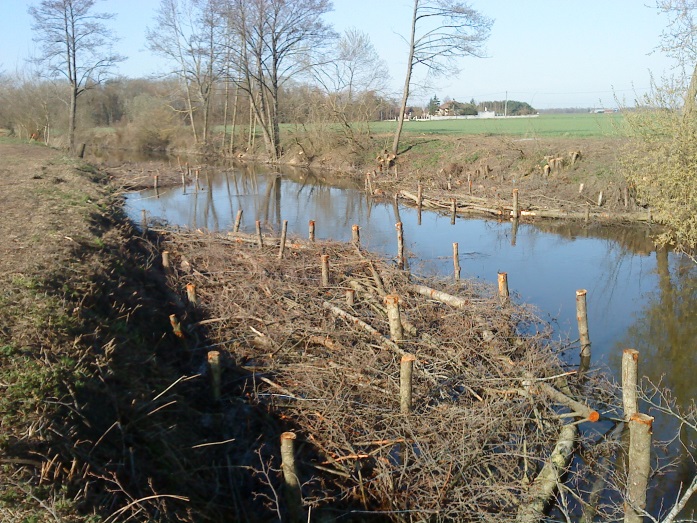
(548, 125)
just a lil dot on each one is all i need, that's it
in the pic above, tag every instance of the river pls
(637, 297)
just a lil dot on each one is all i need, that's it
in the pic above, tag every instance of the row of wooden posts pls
(639, 424)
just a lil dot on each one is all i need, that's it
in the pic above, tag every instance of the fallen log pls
(363, 325)
(543, 486)
(579, 409)
(458, 303)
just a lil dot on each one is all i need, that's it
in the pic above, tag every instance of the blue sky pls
(549, 53)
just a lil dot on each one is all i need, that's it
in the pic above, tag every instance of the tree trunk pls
(407, 81)
(72, 118)
(234, 119)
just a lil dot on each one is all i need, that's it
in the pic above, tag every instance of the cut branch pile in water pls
(324, 362)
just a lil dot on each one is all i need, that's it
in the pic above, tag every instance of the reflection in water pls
(664, 332)
(635, 297)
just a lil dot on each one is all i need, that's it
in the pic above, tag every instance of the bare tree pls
(188, 33)
(277, 41)
(354, 70)
(441, 30)
(75, 44)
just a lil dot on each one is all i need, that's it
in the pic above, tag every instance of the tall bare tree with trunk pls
(441, 31)
(75, 44)
(189, 34)
(278, 39)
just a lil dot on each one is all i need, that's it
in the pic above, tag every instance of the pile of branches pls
(485, 414)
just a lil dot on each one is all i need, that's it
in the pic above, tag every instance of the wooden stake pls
(405, 383)
(183, 183)
(419, 201)
(582, 318)
(456, 260)
(625, 194)
(600, 199)
(312, 230)
(165, 259)
(453, 210)
(260, 238)
(238, 221)
(639, 467)
(369, 184)
(356, 235)
(630, 360)
(503, 287)
(394, 318)
(469, 182)
(515, 213)
(191, 294)
(155, 184)
(214, 369)
(325, 270)
(284, 234)
(198, 185)
(144, 221)
(176, 326)
(350, 297)
(290, 475)
(400, 245)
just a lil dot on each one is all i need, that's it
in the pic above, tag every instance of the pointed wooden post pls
(630, 361)
(419, 201)
(356, 235)
(260, 238)
(325, 270)
(394, 318)
(284, 234)
(238, 221)
(214, 369)
(400, 245)
(503, 287)
(176, 326)
(456, 260)
(311, 233)
(640, 426)
(515, 213)
(405, 383)
(582, 318)
(290, 476)
(191, 294)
